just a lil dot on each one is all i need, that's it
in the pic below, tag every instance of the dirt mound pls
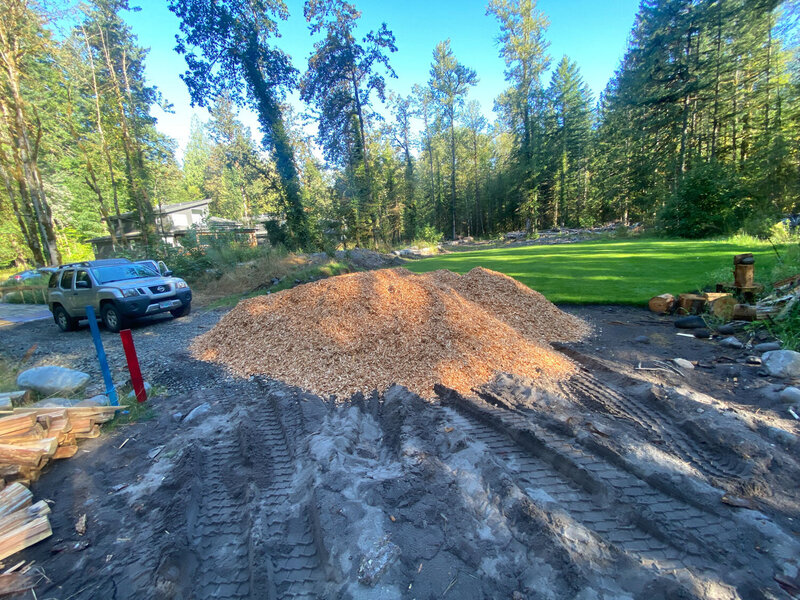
(367, 331)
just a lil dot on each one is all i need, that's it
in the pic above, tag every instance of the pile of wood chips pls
(367, 331)
(29, 438)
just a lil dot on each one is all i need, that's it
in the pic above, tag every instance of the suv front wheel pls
(63, 320)
(112, 318)
(182, 311)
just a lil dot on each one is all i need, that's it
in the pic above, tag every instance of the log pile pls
(726, 303)
(29, 439)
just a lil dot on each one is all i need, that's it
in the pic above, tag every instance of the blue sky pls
(591, 32)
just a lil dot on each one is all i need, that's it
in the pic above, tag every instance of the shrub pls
(430, 235)
(705, 204)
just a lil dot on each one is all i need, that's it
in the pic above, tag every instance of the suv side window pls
(66, 279)
(83, 275)
(53, 280)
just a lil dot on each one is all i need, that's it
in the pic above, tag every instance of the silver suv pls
(118, 289)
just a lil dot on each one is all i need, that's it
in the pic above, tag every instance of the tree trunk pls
(277, 140)
(453, 169)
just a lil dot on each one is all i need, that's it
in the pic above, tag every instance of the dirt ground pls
(628, 483)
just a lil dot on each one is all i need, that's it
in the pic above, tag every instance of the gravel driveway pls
(161, 342)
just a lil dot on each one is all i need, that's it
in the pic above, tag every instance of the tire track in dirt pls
(245, 536)
(695, 449)
(285, 530)
(220, 534)
(618, 507)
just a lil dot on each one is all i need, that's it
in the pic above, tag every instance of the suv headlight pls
(130, 292)
(181, 284)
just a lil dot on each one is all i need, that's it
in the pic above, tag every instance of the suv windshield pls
(122, 272)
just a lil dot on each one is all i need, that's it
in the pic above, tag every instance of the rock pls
(782, 363)
(726, 329)
(790, 395)
(753, 360)
(377, 561)
(16, 396)
(693, 322)
(197, 412)
(147, 389)
(767, 346)
(683, 363)
(703, 334)
(177, 417)
(57, 402)
(52, 380)
(98, 400)
(731, 342)
(642, 339)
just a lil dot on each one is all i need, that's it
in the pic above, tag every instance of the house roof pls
(166, 209)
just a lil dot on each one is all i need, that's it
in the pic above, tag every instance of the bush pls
(430, 235)
(705, 204)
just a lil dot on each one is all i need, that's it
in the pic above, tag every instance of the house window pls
(197, 216)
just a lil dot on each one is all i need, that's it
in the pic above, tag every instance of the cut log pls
(743, 275)
(20, 517)
(13, 498)
(744, 312)
(13, 455)
(14, 423)
(94, 432)
(712, 296)
(744, 259)
(66, 451)
(48, 446)
(14, 583)
(30, 533)
(690, 303)
(662, 304)
(723, 307)
(34, 433)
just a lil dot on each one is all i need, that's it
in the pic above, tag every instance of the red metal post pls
(133, 365)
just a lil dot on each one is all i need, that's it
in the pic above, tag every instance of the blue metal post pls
(101, 356)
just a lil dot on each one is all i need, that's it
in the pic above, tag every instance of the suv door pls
(83, 293)
(65, 287)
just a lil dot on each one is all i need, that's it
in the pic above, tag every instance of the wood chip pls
(366, 331)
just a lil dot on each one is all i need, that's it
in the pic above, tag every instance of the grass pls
(8, 375)
(625, 271)
(134, 412)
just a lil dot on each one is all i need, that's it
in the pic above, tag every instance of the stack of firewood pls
(29, 439)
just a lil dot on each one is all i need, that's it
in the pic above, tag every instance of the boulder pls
(147, 388)
(52, 380)
(57, 402)
(702, 334)
(782, 363)
(683, 364)
(197, 412)
(731, 342)
(790, 395)
(693, 322)
(98, 400)
(767, 346)
(726, 329)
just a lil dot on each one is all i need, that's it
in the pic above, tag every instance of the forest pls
(697, 134)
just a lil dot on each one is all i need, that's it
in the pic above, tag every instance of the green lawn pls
(611, 271)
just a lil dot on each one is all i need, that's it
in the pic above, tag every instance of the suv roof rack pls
(104, 262)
